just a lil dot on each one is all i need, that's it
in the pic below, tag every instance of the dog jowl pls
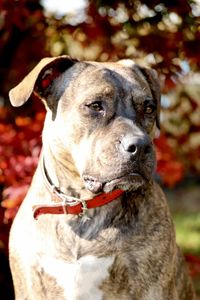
(103, 227)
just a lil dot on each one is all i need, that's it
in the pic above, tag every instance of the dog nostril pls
(132, 149)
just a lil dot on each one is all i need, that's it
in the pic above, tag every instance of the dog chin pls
(126, 183)
(131, 181)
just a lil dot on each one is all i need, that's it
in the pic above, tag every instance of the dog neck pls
(64, 176)
(57, 194)
(67, 204)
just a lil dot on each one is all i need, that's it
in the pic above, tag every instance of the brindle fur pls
(136, 229)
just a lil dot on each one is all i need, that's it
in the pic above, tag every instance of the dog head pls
(100, 116)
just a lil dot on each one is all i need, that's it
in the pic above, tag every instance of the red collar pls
(70, 205)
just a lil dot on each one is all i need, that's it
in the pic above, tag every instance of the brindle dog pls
(97, 145)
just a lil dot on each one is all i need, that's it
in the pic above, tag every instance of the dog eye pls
(149, 108)
(96, 106)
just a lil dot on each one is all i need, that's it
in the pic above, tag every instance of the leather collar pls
(64, 204)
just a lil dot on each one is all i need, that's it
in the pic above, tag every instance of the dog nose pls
(136, 145)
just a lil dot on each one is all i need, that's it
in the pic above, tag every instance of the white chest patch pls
(79, 280)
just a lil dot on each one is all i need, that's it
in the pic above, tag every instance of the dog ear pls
(152, 79)
(40, 79)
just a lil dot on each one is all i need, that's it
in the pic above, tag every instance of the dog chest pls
(80, 279)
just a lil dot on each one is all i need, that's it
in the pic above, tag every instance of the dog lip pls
(94, 185)
(125, 177)
(124, 182)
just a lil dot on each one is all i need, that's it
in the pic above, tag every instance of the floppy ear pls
(40, 79)
(152, 79)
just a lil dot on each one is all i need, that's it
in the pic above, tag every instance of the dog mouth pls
(131, 181)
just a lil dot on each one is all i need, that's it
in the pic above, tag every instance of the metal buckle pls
(67, 202)
(84, 208)
(83, 214)
(71, 201)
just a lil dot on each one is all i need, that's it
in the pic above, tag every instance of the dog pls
(94, 224)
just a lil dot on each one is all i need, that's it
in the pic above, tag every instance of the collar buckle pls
(72, 201)
(69, 201)
(84, 208)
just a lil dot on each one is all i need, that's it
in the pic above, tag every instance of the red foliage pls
(20, 144)
(194, 264)
(169, 167)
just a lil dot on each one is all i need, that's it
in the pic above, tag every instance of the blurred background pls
(164, 35)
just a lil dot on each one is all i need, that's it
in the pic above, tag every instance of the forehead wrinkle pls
(140, 93)
(129, 83)
(132, 81)
(106, 82)
(96, 92)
